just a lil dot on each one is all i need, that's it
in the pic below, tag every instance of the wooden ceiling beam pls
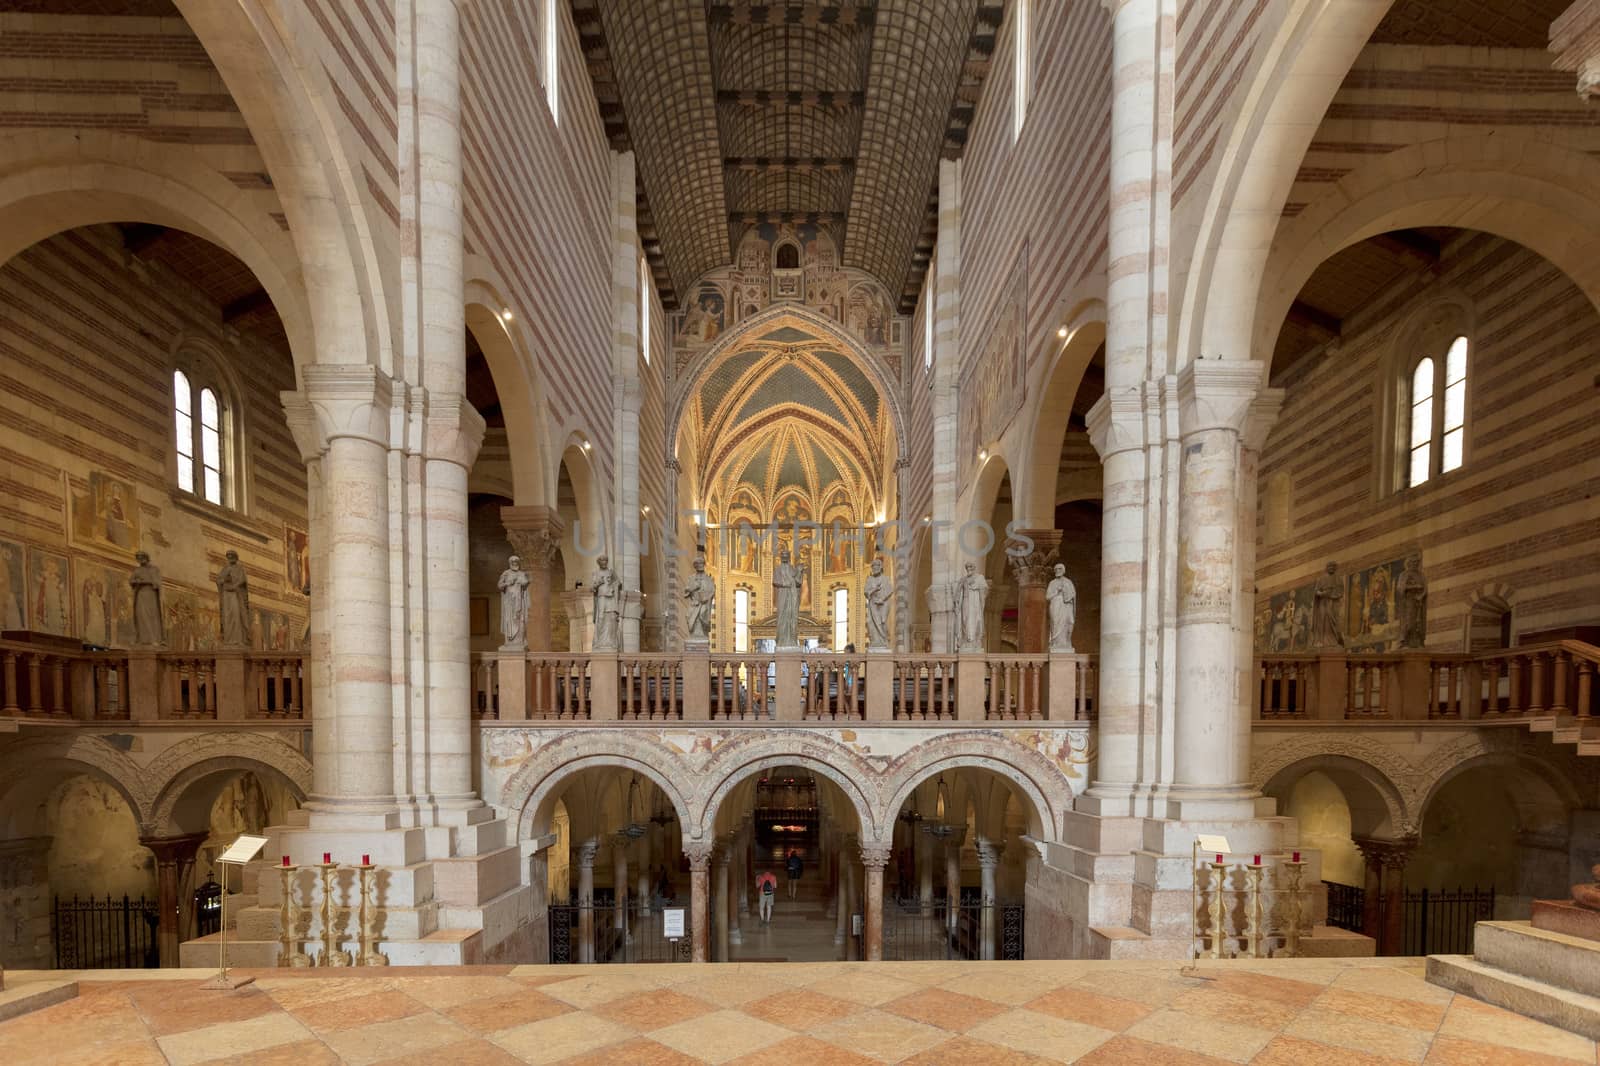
(1315, 319)
(1409, 245)
(825, 100)
(759, 14)
(797, 164)
(247, 304)
(795, 218)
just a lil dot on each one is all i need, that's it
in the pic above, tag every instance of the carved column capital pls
(875, 855)
(452, 430)
(343, 401)
(535, 534)
(1035, 567)
(1116, 422)
(175, 849)
(989, 853)
(587, 852)
(1392, 854)
(1218, 394)
(699, 854)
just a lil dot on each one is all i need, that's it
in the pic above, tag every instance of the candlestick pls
(368, 921)
(286, 860)
(331, 954)
(289, 953)
(1218, 911)
(1252, 927)
(1291, 934)
(1296, 856)
(366, 860)
(1256, 861)
(327, 857)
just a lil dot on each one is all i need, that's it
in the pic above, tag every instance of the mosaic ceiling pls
(827, 111)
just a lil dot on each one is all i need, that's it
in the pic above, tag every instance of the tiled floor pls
(1290, 1013)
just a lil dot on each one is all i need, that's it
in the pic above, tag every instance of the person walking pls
(766, 892)
(793, 865)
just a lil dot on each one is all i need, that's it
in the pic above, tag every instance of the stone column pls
(626, 392)
(25, 890)
(1033, 571)
(1218, 404)
(1386, 862)
(535, 535)
(719, 866)
(579, 604)
(952, 880)
(736, 880)
(847, 901)
(699, 904)
(948, 464)
(174, 865)
(874, 857)
(586, 856)
(923, 846)
(841, 897)
(343, 417)
(988, 859)
(619, 879)
(642, 879)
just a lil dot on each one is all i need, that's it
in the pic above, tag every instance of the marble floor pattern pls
(1357, 1012)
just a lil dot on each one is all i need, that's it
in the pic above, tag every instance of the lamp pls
(634, 829)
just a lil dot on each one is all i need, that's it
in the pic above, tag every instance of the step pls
(1540, 955)
(1328, 942)
(1567, 1010)
(445, 947)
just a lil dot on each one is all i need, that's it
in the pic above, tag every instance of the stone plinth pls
(21, 997)
(1535, 972)
(1565, 916)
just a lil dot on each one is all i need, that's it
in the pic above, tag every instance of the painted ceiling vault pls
(832, 112)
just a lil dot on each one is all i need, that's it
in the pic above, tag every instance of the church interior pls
(1044, 530)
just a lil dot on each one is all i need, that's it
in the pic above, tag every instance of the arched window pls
(741, 620)
(203, 433)
(1437, 438)
(787, 257)
(552, 53)
(841, 618)
(927, 325)
(644, 309)
(1022, 60)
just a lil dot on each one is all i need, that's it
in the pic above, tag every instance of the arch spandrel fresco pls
(728, 296)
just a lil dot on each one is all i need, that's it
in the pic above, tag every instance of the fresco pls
(704, 320)
(13, 585)
(106, 515)
(105, 605)
(49, 592)
(991, 389)
(296, 559)
(1371, 618)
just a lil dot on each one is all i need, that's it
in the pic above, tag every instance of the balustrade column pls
(699, 903)
(988, 860)
(1224, 413)
(175, 857)
(586, 856)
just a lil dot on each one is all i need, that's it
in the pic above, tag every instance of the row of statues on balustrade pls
(233, 603)
(700, 593)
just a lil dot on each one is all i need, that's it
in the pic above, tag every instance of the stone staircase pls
(1583, 733)
(448, 911)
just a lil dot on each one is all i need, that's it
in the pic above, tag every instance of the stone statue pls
(878, 592)
(787, 580)
(1588, 895)
(1411, 597)
(514, 605)
(972, 594)
(607, 607)
(233, 606)
(701, 592)
(1326, 632)
(147, 621)
(1062, 597)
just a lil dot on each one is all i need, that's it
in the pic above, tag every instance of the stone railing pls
(40, 682)
(801, 687)
(1554, 680)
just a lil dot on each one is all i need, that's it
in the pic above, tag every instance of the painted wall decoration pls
(191, 621)
(274, 631)
(105, 605)
(49, 592)
(991, 388)
(13, 586)
(106, 515)
(705, 317)
(1371, 617)
(296, 559)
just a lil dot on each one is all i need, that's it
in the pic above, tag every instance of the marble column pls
(642, 879)
(948, 464)
(626, 393)
(719, 901)
(699, 902)
(924, 846)
(736, 880)
(586, 856)
(988, 861)
(874, 857)
(952, 880)
(1033, 571)
(175, 857)
(1386, 863)
(841, 899)
(619, 881)
(848, 900)
(534, 533)
(342, 419)
(1219, 402)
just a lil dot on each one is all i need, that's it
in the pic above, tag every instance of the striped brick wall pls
(1524, 510)
(143, 77)
(1395, 96)
(537, 205)
(1215, 41)
(1043, 196)
(653, 428)
(86, 345)
(918, 407)
(353, 43)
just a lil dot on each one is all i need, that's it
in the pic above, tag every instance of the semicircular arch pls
(530, 793)
(738, 759)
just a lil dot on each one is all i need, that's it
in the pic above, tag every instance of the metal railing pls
(1436, 921)
(109, 933)
(603, 932)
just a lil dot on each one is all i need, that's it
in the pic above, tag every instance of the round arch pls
(1086, 332)
(54, 183)
(184, 805)
(985, 492)
(1535, 782)
(587, 537)
(1377, 807)
(1533, 193)
(45, 767)
(530, 793)
(735, 761)
(171, 774)
(505, 349)
(1043, 817)
(803, 318)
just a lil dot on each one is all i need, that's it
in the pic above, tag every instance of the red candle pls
(1219, 858)
(366, 860)
(286, 860)
(1257, 862)
(327, 857)
(1297, 856)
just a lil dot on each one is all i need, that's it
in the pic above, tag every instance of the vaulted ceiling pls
(828, 111)
(1477, 23)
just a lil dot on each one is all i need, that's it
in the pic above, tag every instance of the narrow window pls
(552, 51)
(1455, 405)
(927, 326)
(1023, 64)
(741, 620)
(644, 309)
(841, 618)
(1421, 422)
(211, 445)
(183, 418)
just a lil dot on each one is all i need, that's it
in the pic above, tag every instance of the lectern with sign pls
(239, 852)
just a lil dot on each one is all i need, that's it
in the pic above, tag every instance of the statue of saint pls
(701, 592)
(1411, 597)
(607, 607)
(1062, 597)
(786, 582)
(1326, 632)
(233, 596)
(514, 606)
(147, 621)
(972, 594)
(1588, 895)
(878, 592)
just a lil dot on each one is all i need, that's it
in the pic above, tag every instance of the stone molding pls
(1218, 394)
(875, 855)
(699, 854)
(1390, 854)
(1116, 422)
(452, 430)
(340, 401)
(1575, 40)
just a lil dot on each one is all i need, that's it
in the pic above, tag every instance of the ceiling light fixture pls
(1062, 333)
(505, 316)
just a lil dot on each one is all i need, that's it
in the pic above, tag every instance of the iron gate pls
(912, 933)
(96, 934)
(632, 933)
(1436, 922)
